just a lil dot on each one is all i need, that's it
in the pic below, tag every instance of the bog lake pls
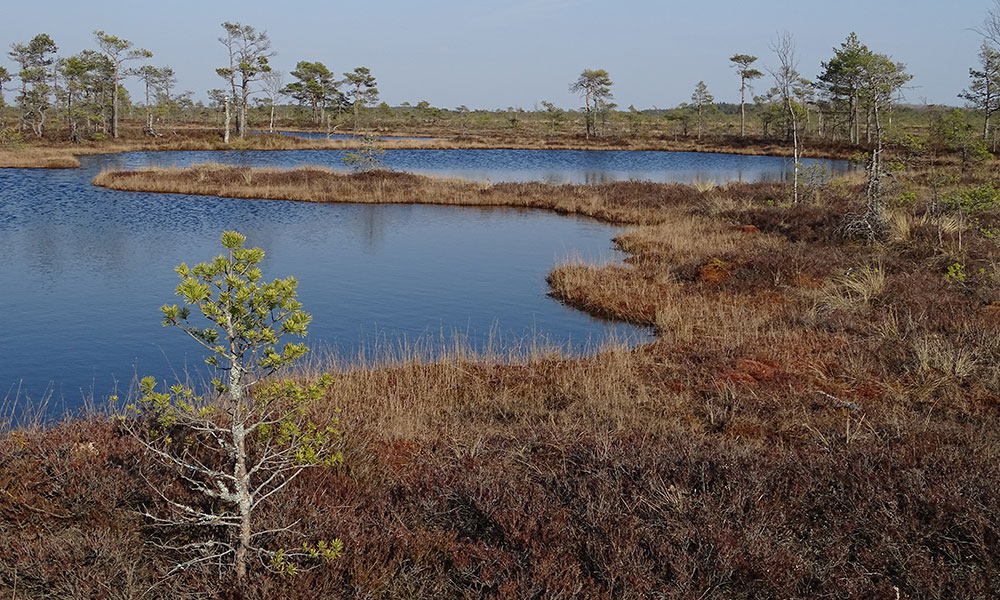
(85, 268)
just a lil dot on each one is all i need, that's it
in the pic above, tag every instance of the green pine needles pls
(253, 434)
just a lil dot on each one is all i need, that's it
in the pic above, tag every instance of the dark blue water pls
(550, 166)
(86, 268)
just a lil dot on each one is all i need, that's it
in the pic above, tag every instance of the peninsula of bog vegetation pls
(817, 416)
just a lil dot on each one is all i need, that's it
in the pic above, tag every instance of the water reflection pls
(85, 269)
(549, 166)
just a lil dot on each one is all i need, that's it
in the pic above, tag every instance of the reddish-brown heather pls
(817, 417)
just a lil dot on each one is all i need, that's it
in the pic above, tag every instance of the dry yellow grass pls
(756, 395)
(728, 302)
(38, 158)
(669, 229)
(624, 203)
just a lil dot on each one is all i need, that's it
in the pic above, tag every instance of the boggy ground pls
(56, 154)
(818, 417)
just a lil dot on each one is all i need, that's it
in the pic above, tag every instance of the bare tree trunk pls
(241, 114)
(856, 133)
(243, 493)
(39, 126)
(873, 216)
(357, 94)
(240, 473)
(795, 150)
(228, 117)
(74, 135)
(743, 111)
(271, 124)
(244, 100)
(988, 106)
(149, 113)
(114, 103)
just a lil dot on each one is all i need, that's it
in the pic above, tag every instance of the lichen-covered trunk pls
(244, 503)
(237, 412)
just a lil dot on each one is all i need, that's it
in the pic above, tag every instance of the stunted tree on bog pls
(36, 58)
(88, 82)
(316, 87)
(74, 71)
(240, 445)
(594, 86)
(118, 51)
(362, 90)
(4, 80)
(786, 76)
(274, 84)
(842, 81)
(984, 92)
(700, 99)
(743, 65)
(883, 79)
(249, 54)
(157, 81)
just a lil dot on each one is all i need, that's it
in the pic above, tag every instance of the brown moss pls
(715, 270)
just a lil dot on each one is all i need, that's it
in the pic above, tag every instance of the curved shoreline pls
(636, 204)
(801, 382)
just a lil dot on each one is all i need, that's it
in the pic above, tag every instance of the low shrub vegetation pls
(816, 417)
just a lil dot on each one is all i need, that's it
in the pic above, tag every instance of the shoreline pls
(800, 380)
(65, 155)
(322, 185)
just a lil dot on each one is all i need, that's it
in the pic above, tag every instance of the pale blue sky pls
(520, 52)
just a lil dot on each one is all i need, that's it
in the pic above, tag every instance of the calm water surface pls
(549, 166)
(85, 268)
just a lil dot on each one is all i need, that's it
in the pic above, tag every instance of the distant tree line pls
(855, 94)
(83, 93)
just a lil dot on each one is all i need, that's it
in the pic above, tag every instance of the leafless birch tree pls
(786, 76)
